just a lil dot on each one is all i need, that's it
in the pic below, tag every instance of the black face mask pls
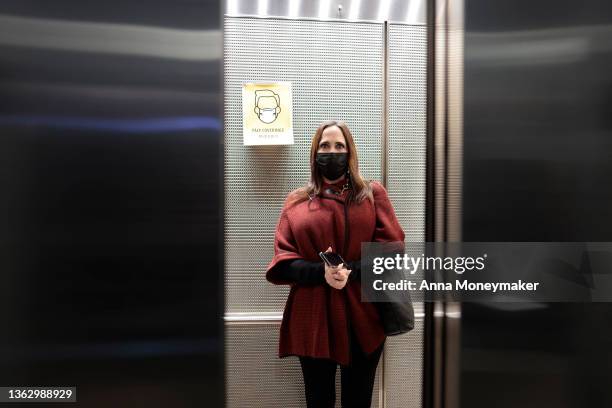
(332, 165)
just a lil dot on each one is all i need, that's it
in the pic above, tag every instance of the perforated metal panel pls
(406, 155)
(403, 369)
(407, 124)
(256, 377)
(336, 72)
(336, 69)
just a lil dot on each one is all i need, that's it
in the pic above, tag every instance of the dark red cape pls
(315, 320)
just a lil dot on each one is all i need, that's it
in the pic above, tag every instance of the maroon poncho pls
(316, 318)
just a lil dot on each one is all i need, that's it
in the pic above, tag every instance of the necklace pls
(345, 187)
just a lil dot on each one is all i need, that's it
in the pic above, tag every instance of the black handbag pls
(396, 317)
(396, 314)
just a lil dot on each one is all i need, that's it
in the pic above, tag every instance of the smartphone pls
(331, 258)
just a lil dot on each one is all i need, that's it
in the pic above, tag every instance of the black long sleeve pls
(302, 272)
(355, 267)
(311, 273)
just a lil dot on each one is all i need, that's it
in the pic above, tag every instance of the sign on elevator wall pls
(267, 113)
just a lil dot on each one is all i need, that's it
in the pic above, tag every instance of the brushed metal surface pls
(403, 368)
(406, 155)
(537, 168)
(109, 217)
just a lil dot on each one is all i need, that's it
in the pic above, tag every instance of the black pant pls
(357, 379)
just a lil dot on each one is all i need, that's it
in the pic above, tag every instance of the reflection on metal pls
(149, 125)
(442, 378)
(110, 38)
(383, 387)
(454, 122)
(385, 128)
(272, 317)
(397, 11)
(454, 177)
(252, 318)
(530, 47)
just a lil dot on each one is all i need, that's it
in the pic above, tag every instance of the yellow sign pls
(267, 113)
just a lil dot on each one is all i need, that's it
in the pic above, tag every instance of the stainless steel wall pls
(405, 167)
(110, 127)
(538, 109)
(337, 69)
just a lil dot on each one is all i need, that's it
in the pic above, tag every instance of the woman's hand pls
(336, 277)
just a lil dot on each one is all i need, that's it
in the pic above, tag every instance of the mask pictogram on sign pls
(267, 105)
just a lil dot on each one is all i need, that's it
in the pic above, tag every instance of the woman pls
(324, 322)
